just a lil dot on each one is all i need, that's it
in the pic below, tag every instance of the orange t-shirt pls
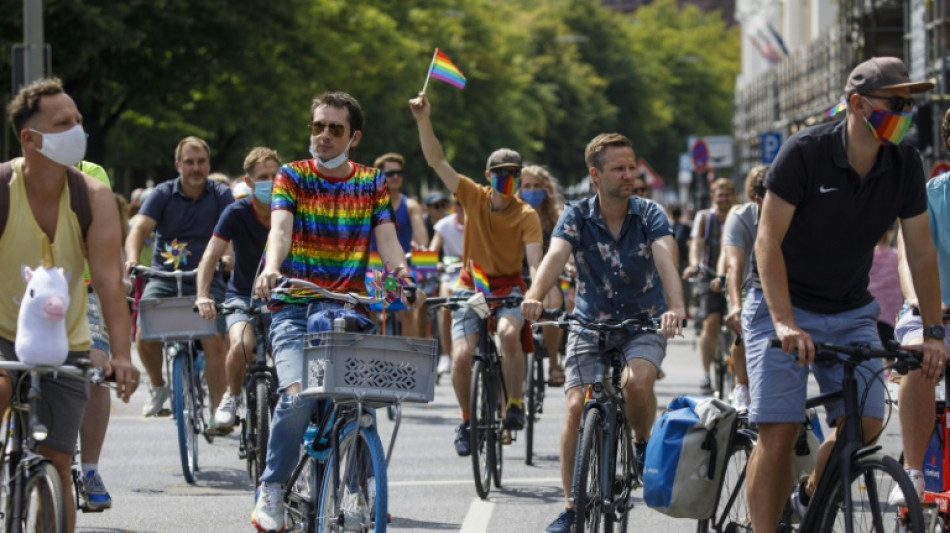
(495, 240)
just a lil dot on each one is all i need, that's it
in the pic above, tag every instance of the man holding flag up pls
(500, 230)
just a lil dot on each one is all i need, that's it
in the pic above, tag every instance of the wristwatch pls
(936, 331)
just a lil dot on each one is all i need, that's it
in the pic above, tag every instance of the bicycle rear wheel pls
(184, 404)
(43, 508)
(481, 424)
(361, 502)
(872, 479)
(732, 506)
(588, 501)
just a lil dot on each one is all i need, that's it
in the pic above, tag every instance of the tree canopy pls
(544, 77)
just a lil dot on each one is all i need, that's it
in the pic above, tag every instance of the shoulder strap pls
(79, 199)
(6, 174)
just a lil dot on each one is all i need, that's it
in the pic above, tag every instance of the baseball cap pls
(504, 157)
(883, 73)
(435, 198)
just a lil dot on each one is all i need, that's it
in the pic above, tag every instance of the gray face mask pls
(336, 161)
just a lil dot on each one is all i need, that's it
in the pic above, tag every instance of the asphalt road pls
(431, 489)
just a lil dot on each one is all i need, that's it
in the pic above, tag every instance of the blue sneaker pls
(640, 450)
(97, 497)
(564, 523)
(462, 440)
(800, 501)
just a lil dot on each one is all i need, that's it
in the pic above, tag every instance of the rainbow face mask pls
(889, 127)
(506, 182)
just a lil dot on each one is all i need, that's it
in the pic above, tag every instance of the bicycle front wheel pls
(588, 501)
(261, 426)
(482, 428)
(624, 479)
(184, 405)
(361, 502)
(732, 507)
(43, 508)
(531, 407)
(873, 478)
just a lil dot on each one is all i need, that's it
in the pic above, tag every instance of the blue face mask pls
(262, 190)
(534, 197)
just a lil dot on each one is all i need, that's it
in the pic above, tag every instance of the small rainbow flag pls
(375, 261)
(565, 284)
(480, 279)
(442, 68)
(425, 263)
(839, 107)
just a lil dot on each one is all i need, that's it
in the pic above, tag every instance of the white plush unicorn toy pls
(41, 325)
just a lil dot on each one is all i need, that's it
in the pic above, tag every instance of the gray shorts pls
(465, 321)
(62, 403)
(237, 317)
(97, 329)
(584, 364)
(168, 287)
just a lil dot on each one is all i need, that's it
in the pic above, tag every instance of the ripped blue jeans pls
(293, 413)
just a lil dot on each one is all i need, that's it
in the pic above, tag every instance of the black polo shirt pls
(838, 217)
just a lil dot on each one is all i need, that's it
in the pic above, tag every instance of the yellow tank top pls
(20, 245)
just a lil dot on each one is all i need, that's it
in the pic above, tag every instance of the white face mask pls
(336, 161)
(66, 148)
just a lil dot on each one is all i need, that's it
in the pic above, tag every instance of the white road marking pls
(479, 514)
(432, 482)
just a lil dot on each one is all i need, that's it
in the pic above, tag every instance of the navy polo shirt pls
(616, 278)
(184, 225)
(839, 217)
(240, 226)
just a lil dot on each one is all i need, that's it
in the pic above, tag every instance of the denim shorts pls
(584, 366)
(778, 385)
(465, 321)
(287, 332)
(97, 329)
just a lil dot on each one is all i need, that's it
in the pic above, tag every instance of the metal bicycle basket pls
(172, 319)
(375, 368)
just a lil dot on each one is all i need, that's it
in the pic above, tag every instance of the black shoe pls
(514, 418)
(705, 385)
(640, 449)
(463, 437)
(563, 524)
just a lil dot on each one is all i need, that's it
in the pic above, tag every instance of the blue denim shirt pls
(616, 278)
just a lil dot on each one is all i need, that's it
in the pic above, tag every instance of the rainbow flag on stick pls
(425, 263)
(442, 68)
(480, 279)
(375, 261)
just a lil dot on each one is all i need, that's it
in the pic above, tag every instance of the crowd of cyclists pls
(793, 262)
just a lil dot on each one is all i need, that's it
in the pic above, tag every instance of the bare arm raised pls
(431, 148)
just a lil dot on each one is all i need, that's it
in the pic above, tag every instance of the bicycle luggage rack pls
(379, 370)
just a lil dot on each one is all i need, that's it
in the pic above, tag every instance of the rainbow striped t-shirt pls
(333, 218)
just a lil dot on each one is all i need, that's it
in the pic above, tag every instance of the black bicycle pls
(605, 468)
(489, 394)
(260, 391)
(852, 493)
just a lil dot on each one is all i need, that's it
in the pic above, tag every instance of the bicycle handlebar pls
(643, 322)
(856, 354)
(454, 302)
(152, 272)
(83, 369)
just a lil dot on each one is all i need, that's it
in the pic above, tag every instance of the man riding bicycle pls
(624, 250)
(243, 225)
(501, 231)
(322, 212)
(831, 193)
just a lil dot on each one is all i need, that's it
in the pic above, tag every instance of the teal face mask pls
(262, 190)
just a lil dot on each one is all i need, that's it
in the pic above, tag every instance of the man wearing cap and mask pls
(500, 231)
(435, 205)
(831, 193)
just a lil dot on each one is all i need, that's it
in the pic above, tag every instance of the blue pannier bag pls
(686, 457)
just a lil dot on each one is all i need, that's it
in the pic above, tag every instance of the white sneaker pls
(741, 398)
(268, 513)
(897, 495)
(156, 401)
(226, 414)
(445, 364)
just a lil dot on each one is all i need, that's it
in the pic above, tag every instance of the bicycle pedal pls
(164, 413)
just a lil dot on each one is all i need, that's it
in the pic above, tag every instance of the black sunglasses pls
(336, 130)
(394, 173)
(896, 103)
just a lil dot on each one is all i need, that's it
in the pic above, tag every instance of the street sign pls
(699, 154)
(771, 142)
(685, 175)
(19, 61)
(939, 167)
(718, 150)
